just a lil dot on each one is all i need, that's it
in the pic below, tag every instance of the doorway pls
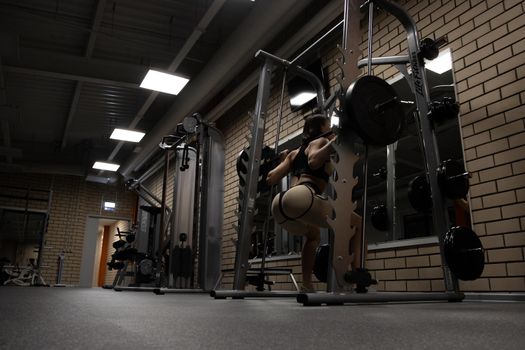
(99, 235)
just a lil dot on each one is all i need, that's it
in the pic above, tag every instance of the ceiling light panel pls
(106, 166)
(127, 135)
(163, 82)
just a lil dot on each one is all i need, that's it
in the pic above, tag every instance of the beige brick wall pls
(494, 118)
(73, 200)
(488, 50)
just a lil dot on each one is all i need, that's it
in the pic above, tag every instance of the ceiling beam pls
(99, 14)
(73, 77)
(5, 115)
(8, 45)
(43, 168)
(10, 152)
(78, 68)
(8, 113)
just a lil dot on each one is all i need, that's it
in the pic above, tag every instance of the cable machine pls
(188, 235)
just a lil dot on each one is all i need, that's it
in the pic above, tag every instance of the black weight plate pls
(268, 162)
(242, 162)
(419, 194)
(126, 254)
(116, 265)
(452, 179)
(373, 110)
(379, 217)
(321, 262)
(464, 253)
(119, 244)
(145, 266)
(429, 49)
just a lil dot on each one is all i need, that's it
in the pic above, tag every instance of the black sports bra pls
(300, 166)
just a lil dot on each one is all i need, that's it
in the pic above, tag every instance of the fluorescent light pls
(163, 82)
(109, 205)
(127, 135)
(440, 64)
(106, 166)
(302, 98)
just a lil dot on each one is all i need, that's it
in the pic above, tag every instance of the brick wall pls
(488, 51)
(73, 200)
(490, 64)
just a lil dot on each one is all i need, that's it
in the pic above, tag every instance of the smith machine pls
(370, 115)
(185, 238)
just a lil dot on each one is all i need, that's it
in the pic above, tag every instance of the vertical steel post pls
(430, 149)
(162, 219)
(391, 189)
(249, 196)
(44, 229)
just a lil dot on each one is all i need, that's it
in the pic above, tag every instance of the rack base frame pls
(318, 299)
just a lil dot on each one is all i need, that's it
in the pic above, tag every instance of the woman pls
(302, 209)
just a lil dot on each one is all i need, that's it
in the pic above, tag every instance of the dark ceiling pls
(70, 70)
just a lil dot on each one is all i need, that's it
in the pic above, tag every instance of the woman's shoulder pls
(318, 142)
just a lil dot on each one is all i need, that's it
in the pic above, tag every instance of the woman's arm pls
(318, 152)
(281, 170)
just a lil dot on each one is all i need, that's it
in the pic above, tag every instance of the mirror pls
(20, 235)
(410, 222)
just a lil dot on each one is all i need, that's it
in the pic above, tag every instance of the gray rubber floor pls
(74, 318)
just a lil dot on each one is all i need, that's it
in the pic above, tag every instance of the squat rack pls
(350, 70)
(419, 86)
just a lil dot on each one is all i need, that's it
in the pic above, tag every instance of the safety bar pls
(384, 60)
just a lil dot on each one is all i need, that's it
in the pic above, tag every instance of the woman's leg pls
(295, 210)
(308, 255)
(355, 241)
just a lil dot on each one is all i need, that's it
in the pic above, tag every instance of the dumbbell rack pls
(419, 86)
(119, 277)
